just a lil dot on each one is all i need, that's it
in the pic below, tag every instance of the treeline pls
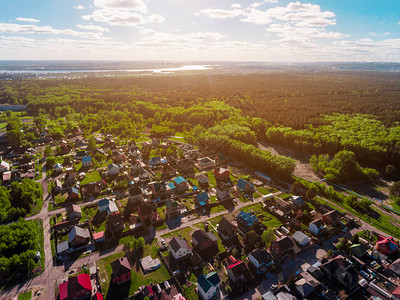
(19, 243)
(285, 99)
(279, 166)
(342, 168)
(19, 199)
(370, 140)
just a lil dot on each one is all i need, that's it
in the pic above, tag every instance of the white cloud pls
(122, 13)
(34, 29)
(258, 4)
(138, 5)
(29, 20)
(216, 13)
(380, 34)
(116, 17)
(93, 27)
(236, 5)
(145, 31)
(153, 18)
(79, 7)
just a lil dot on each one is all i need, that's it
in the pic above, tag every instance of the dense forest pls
(314, 113)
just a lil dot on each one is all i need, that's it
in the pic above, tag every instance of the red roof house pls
(77, 287)
(386, 245)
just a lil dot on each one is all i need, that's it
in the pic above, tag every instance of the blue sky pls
(201, 30)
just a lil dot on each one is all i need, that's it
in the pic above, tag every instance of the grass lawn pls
(91, 177)
(267, 219)
(217, 209)
(184, 232)
(189, 288)
(105, 270)
(39, 224)
(25, 296)
(88, 212)
(59, 199)
(211, 178)
(265, 190)
(138, 278)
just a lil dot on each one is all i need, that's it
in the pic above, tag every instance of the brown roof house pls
(121, 270)
(147, 212)
(78, 237)
(226, 229)
(282, 246)
(74, 212)
(202, 240)
(331, 218)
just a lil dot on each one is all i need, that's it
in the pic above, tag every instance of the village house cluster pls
(212, 227)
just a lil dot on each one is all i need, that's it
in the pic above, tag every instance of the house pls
(262, 177)
(114, 223)
(247, 221)
(244, 186)
(223, 192)
(78, 287)
(4, 166)
(135, 194)
(74, 212)
(208, 285)
(205, 163)
(6, 178)
(395, 266)
(222, 174)
(238, 272)
(358, 250)
(282, 246)
(340, 270)
(57, 187)
(172, 209)
(155, 162)
(73, 194)
(306, 285)
(69, 179)
(58, 168)
(87, 161)
(283, 205)
(386, 245)
(113, 169)
(147, 212)
(301, 238)
(201, 200)
(261, 260)
(179, 248)
(297, 201)
(316, 227)
(62, 248)
(107, 205)
(80, 154)
(202, 240)
(78, 237)
(99, 237)
(226, 229)
(181, 184)
(160, 190)
(203, 180)
(121, 270)
(331, 218)
(93, 189)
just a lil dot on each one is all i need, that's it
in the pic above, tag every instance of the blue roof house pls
(247, 221)
(181, 184)
(245, 186)
(87, 161)
(208, 285)
(201, 199)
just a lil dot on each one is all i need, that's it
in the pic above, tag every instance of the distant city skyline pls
(201, 30)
